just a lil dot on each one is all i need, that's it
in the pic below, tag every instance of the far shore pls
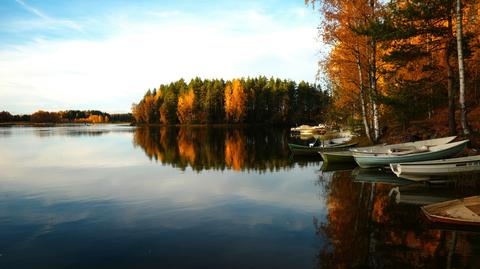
(52, 124)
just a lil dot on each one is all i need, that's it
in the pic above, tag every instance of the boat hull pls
(337, 157)
(381, 160)
(438, 168)
(313, 151)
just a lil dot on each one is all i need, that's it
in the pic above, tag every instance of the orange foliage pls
(420, 72)
(148, 108)
(185, 107)
(235, 99)
(235, 150)
(186, 147)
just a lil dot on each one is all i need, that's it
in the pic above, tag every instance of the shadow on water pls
(239, 149)
(370, 226)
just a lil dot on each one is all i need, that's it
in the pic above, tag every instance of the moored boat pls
(438, 167)
(307, 129)
(465, 211)
(313, 150)
(408, 154)
(337, 156)
(394, 147)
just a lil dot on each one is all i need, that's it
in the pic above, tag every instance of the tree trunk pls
(373, 79)
(451, 92)
(362, 98)
(461, 70)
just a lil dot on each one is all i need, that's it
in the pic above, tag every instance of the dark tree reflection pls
(218, 148)
(366, 228)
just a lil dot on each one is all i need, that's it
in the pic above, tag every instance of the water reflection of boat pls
(421, 194)
(337, 157)
(453, 227)
(328, 166)
(414, 154)
(438, 167)
(377, 176)
(465, 211)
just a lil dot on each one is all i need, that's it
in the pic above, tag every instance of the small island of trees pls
(241, 100)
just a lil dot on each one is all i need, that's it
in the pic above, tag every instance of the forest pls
(67, 116)
(396, 62)
(245, 100)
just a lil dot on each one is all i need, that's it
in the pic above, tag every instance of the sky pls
(104, 55)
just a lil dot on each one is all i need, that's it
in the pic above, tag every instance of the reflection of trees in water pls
(235, 150)
(365, 228)
(77, 130)
(186, 148)
(216, 148)
(4, 131)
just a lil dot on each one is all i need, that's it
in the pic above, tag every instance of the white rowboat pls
(404, 146)
(438, 167)
(424, 153)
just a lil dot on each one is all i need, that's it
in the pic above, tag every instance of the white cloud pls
(111, 73)
(47, 20)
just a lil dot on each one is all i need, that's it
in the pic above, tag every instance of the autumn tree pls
(235, 98)
(420, 50)
(45, 117)
(404, 52)
(185, 107)
(346, 26)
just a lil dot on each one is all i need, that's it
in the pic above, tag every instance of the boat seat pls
(407, 150)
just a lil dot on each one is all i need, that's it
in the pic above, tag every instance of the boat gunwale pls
(442, 161)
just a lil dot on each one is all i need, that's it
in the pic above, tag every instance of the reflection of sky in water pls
(96, 200)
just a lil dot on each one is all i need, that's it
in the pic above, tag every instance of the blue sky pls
(81, 54)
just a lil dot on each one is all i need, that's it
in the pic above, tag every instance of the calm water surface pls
(110, 196)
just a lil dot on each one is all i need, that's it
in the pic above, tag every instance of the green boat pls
(307, 150)
(337, 156)
(410, 154)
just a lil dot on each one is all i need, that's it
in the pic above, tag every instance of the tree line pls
(246, 100)
(399, 60)
(70, 116)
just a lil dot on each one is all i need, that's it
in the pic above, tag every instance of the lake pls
(112, 196)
